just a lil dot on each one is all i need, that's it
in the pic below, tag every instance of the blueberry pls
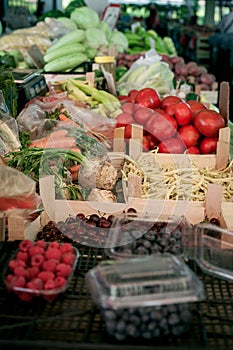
(173, 319)
(177, 234)
(155, 315)
(110, 315)
(177, 330)
(120, 326)
(119, 336)
(135, 320)
(131, 330)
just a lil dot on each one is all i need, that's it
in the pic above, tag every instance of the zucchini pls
(76, 36)
(64, 50)
(65, 63)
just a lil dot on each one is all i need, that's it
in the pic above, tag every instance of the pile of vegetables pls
(148, 71)
(87, 38)
(78, 161)
(172, 182)
(190, 72)
(102, 101)
(170, 124)
(142, 40)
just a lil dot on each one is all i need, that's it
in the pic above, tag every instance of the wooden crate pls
(194, 211)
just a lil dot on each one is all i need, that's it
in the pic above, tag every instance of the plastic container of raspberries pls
(40, 269)
(214, 250)
(132, 235)
(145, 298)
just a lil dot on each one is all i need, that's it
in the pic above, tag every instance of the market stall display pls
(133, 193)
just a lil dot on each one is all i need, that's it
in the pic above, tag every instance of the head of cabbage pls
(85, 17)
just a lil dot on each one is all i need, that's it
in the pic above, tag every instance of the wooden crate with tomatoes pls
(172, 125)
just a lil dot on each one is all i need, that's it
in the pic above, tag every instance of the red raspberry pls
(50, 284)
(9, 278)
(25, 245)
(68, 258)
(50, 265)
(22, 256)
(21, 271)
(33, 272)
(35, 283)
(36, 250)
(15, 263)
(37, 260)
(18, 281)
(66, 247)
(53, 253)
(46, 275)
(63, 270)
(60, 281)
(24, 296)
(41, 243)
(54, 245)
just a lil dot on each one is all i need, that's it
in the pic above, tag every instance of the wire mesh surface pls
(72, 321)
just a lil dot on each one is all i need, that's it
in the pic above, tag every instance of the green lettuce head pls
(85, 17)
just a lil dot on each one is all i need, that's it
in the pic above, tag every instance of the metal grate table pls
(72, 321)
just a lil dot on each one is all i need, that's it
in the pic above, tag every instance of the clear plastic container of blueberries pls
(214, 250)
(132, 235)
(147, 297)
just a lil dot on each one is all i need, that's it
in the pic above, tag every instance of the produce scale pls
(116, 191)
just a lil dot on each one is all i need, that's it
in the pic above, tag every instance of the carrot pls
(74, 168)
(75, 149)
(61, 133)
(65, 142)
(62, 117)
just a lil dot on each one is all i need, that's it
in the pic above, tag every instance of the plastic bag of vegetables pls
(147, 71)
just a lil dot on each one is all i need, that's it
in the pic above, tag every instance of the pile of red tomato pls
(170, 123)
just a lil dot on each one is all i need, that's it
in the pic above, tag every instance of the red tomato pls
(132, 95)
(123, 98)
(142, 115)
(195, 107)
(183, 113)
(170, 110)
(192, 150)
(149, 143)
(169, 100)
(189, 134)
(162, 127)
(209, 122)
(124, 119)
(208, 145)
(128, 107)
(145, 144)
(173, 145)
(128, 132)
(160, 110)
(147, 102)
(148, 93)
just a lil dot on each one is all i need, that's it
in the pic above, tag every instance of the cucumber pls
(76, 36)
(65, 63)
(64, 50)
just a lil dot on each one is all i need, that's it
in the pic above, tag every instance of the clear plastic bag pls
(17, 191)
(9, 133)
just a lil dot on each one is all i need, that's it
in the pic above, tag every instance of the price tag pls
(110, 81)
(111, 15)
(37, 56)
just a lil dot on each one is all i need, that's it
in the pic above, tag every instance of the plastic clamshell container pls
(214, 250)
(27, 294)
(145, 297)
(132, 235)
